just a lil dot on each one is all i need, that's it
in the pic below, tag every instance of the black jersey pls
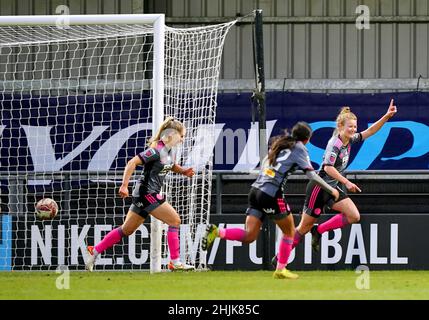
(157, 163)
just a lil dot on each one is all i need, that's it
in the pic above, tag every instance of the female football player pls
(157, 161)
(287, 153)
(335, 160)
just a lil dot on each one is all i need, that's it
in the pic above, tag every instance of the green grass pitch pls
(213, 285)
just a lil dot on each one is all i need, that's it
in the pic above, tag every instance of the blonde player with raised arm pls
(335, 161)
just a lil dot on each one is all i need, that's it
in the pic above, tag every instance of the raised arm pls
(377, 125)
(129, 170)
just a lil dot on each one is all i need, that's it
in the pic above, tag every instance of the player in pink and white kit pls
(335, 161)
(158, 160)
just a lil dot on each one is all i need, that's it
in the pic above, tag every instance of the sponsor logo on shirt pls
(149, 153)
(269, 172)
(166, 169)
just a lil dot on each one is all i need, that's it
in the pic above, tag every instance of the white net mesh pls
(191, 78)
(76, 105)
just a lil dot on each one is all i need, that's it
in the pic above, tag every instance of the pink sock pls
(112, 238)
(284, 252)
(173, 242)
(337, 221)
(232, 234)
(296, 239)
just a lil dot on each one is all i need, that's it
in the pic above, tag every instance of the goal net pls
(78, 101)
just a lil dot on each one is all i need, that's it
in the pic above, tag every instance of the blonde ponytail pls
(344, 115)
(168, 123)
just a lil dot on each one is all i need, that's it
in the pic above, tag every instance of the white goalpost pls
(80, 96)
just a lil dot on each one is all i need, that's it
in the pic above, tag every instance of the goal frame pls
(158, 22)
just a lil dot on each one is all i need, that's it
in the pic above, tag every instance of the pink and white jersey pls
(337, 155)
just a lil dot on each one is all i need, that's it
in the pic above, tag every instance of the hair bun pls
(345, 110)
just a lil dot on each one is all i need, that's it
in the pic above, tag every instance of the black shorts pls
(146, 203)
(262, 204)
(317, 200)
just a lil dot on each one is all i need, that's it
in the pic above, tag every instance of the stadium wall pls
(318, 39)
(303, 39)
(383, 191)
(380, 242)
(390, 204)
(49, 7)
(402, 143)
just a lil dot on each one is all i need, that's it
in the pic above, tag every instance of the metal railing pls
(393, 175)
(17, 181)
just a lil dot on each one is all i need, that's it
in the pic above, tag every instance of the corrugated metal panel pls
(297, 51)
(58, 55)
(31, 7)
(321, 50)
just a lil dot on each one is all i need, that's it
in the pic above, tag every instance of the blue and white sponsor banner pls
(94, 132)
(401, 144)
(379, 241)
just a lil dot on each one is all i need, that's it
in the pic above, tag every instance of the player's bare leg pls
(348, 209)
(253, 227)
(349, 214)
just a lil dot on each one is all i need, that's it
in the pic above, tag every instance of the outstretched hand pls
(392, 109)
(189, 172)
(352, 187)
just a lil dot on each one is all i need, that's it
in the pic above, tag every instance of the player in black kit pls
(158, 160)
(287, 153)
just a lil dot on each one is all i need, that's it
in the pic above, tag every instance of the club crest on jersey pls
(332, 157)
(149, 153)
